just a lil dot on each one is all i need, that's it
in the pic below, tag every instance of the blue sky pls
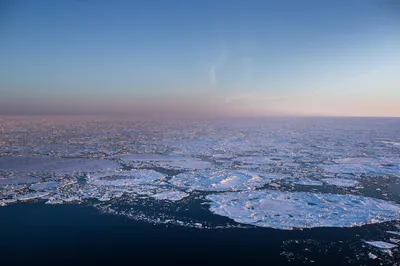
(245, 57)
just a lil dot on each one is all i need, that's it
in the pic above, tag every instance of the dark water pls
(39, 234)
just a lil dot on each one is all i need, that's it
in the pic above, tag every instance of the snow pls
(218, 180)
(287, 210)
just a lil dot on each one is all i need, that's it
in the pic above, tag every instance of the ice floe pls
(287, 210)
(31, 196)
(165, 161)
(308, 182)
(170, 195)
(381, 244)
(394, 233)
(356, 165)
(50, 185)
(340, 182)
(394, 240)
(218, 180)
(124, 178)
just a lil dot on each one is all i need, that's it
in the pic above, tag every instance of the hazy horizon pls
(223, 58)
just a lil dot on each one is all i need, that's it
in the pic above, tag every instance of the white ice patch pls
(54, 165)
(124, 178)
(394, 143)
(218, 180)
(340, 182)
(394, 233)
(287, 210)
(31, 196)
(363, 165)
(50, 185)
(170, 195)
(394, 240)
(308, 182)
(381, 244)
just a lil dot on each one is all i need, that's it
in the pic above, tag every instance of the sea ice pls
(166, 161)
(394, 233)
(218, 180)
(394, 240)
(124, 178)
(50, 185)
(340, 182)
(170, 195)
(54, 201)
(287, 210)
(187, 164)
(31, 196)
(19, 180)
(396, 144)
(308, 182)
(363, 165)
(54, 165)
(381, 244)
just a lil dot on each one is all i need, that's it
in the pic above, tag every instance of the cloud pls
(216, 64)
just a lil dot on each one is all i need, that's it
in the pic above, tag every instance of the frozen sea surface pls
(18, 180)
(54, 165)
(381, 244)
(340, 182)
(125, 178)
(218, 180)
(288, 210)
(165, 161)
(325, 172)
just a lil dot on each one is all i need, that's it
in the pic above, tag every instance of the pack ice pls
(164, 161)
(44, 164)
(288, 210)
(219, 180)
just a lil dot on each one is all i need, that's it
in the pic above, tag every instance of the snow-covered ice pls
(287, 210)
(170, 195)
(44, 186)
(381, 244)
(165, 161)
(218, 180)
(340, 182)
(125, 178)
(308, 182)
(394, 233)
(394, 240)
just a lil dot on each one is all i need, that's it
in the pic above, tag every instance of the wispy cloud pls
(216, 64)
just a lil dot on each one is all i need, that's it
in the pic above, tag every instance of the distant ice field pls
(278, 173)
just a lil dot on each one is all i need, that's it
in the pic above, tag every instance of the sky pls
(261, 58)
